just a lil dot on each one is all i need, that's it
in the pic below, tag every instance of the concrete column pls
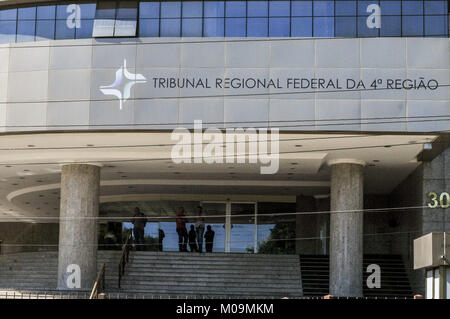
(80, 184)
(346, 229)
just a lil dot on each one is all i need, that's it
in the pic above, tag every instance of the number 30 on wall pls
(444, 200)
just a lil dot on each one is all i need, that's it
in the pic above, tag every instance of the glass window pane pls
(257, 27)
(103, 28)
(236, 8)
(279, 8)
(324, 8)
(62, 31)
(148, 10)
(27, 13)
(412, 26)
(125, 28)
(345, 8)
(46, 12)
(213, 27)
(436, 7)
(324, 27)
(149, 27)
(235, 27)
(87, 10)
(25, 30)
(301, 27)
(170, 9)
(192, 9)
(391, 26)
(127, 10)
(258, 8)
(362, 7)
(279, 27)
(390, 7)
(45, 29)
(302, 8)
(106, 10)
(170, 27)
(364, 31)
(436, 25)
(7, 31)
(9, 14)
(412, 7)
(345, 27)
(191, 27)
(213, 9)
(85, 30)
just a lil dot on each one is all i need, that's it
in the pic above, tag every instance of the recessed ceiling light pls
(298, 145)
(89, 145)
(387, 146)
(177, 173)
(294, 163)
(8, 166)
(30, 145)
(376, 161)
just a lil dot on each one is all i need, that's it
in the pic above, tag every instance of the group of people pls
(196, 233)
(194, 237)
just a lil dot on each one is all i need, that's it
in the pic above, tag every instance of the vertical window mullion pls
(35, 23)
(246, 18)
(181, 18)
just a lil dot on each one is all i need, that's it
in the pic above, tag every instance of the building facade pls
(103, 106)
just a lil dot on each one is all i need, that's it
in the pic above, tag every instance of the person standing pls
(161, 236)
(192, 239)
(180, 220)
(200, 228)
(209, 239)
(139, 222)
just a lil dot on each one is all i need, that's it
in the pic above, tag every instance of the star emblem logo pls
(120, 88)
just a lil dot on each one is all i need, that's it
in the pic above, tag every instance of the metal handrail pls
(99, 283)
(124, 258)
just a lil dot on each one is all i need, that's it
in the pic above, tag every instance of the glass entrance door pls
(234, 224)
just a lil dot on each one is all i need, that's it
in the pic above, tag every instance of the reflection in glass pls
(302, 8)
(170, 27)
(7, 31)
(45, 12)
(170, 9)
(323, 27)
(27, 13)
(149, 27)
(192, 27)
(45, 30)
(412, 25)
(276, 234)
(436, 25)
(63, 32)
(345, 27)
(301, 27)
(235, 8)
(192, 9)
(213, 9)
(213, 27)
(25, 30)
(148, 10)
(235, 27)
(257, 27)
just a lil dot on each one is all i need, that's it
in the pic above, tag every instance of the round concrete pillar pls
(346, 228)
(77, 260)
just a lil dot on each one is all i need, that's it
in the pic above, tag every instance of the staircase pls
(212, 275)
(37, 271)
(167, 274)
(394, 279)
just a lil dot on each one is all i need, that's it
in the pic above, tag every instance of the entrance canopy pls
(138, 166)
